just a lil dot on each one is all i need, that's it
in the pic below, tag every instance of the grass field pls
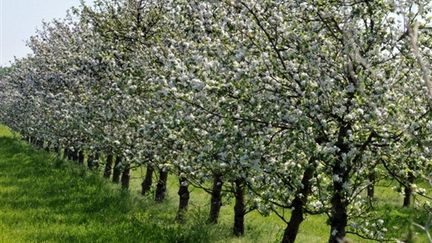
(46, 199)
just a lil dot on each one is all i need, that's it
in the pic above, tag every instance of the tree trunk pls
(408, 191)
(216, 199)
(148, 180)
(74, 155)
(339, 215)
(57, 150)
(81, 157)
(125, 178)
(298, 204)
(339, 202)
(161, 185)
(65, 153)
(297, 217)
(69, 154)
(47, 147)
(108, 165)
(117, 170)
(407, 196)
(239, 208)
(339, 218)
(39, 143)
(90, 160)
(371, 186)
(93, 160)
(96, 161)
(183, 193)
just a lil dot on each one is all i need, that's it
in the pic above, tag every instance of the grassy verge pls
(46, 199)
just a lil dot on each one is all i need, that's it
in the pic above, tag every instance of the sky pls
(19, 19)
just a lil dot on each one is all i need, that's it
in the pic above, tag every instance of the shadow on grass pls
(45, 199)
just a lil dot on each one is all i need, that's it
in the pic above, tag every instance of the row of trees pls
(285, 105)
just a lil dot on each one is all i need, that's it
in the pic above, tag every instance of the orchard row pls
(284, 105)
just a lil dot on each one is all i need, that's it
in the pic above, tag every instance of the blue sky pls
(19, 20)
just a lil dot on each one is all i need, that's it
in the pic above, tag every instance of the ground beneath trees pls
(46, 199)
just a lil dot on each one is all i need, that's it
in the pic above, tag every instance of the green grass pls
(46, 199)
(5, 131)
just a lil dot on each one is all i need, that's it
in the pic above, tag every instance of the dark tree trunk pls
(183, 193)
(117, 169)
(34, 141)
(74, 155)
(68, 154)
(125, 178)
(93, 160)
(148, 180)
(297, 217)
(216, 199)
(239, 208)
(407, 196)
(161, 185)
(81, 157)
(371, 186)
(65, 153)
(408, 191)
(90, 160)
(39, 143)
(57, 150)
(299, 203)
(96, 161)
(108, 165)
(339, 217)
(339, 203)
(47, 147)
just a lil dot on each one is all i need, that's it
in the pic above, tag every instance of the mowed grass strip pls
(45, 199)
